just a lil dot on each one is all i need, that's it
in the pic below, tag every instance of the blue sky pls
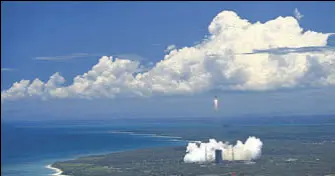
(31, 30)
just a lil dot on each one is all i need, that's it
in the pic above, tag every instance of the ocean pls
(27, 147)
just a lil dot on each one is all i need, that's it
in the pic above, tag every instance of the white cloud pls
(170, 48)
(7, 69)
(66, 57)
(132, 57)
(297, 14)
(18, 90)
(283, 51)
(214, 63)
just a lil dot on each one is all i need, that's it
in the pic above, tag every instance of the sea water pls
(27, 147)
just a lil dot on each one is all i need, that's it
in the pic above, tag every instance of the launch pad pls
(232, 160)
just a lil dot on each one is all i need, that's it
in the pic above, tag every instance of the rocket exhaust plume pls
(216, 104)
(205, 152)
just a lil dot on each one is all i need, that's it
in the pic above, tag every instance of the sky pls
(166, 59)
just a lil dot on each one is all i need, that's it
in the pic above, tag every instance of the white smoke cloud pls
(214, 63)
(205, 152)
(297, 14)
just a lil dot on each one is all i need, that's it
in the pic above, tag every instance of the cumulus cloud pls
(199, 152)
(214, 63)
(297, 14)
(133, 57)
(35, 88)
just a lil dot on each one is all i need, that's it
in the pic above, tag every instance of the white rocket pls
(216, 103)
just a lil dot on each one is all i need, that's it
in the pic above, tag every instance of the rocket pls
(216, 103)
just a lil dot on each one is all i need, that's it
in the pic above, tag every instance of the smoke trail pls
(205, 152)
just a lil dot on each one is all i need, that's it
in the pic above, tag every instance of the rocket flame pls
(216, 104)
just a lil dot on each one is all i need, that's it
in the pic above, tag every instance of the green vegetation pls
(287, 150)
(82, 169)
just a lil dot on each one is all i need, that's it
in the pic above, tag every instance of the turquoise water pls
(27, 147)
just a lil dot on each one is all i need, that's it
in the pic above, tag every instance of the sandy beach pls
(57, 171)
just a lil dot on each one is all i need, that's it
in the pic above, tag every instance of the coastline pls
(57, 171)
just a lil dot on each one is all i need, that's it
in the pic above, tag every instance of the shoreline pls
(58, 171)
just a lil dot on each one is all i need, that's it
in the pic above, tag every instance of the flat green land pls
(287, 150)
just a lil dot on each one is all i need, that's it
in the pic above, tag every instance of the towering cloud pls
(205, 152)
(217, 62)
